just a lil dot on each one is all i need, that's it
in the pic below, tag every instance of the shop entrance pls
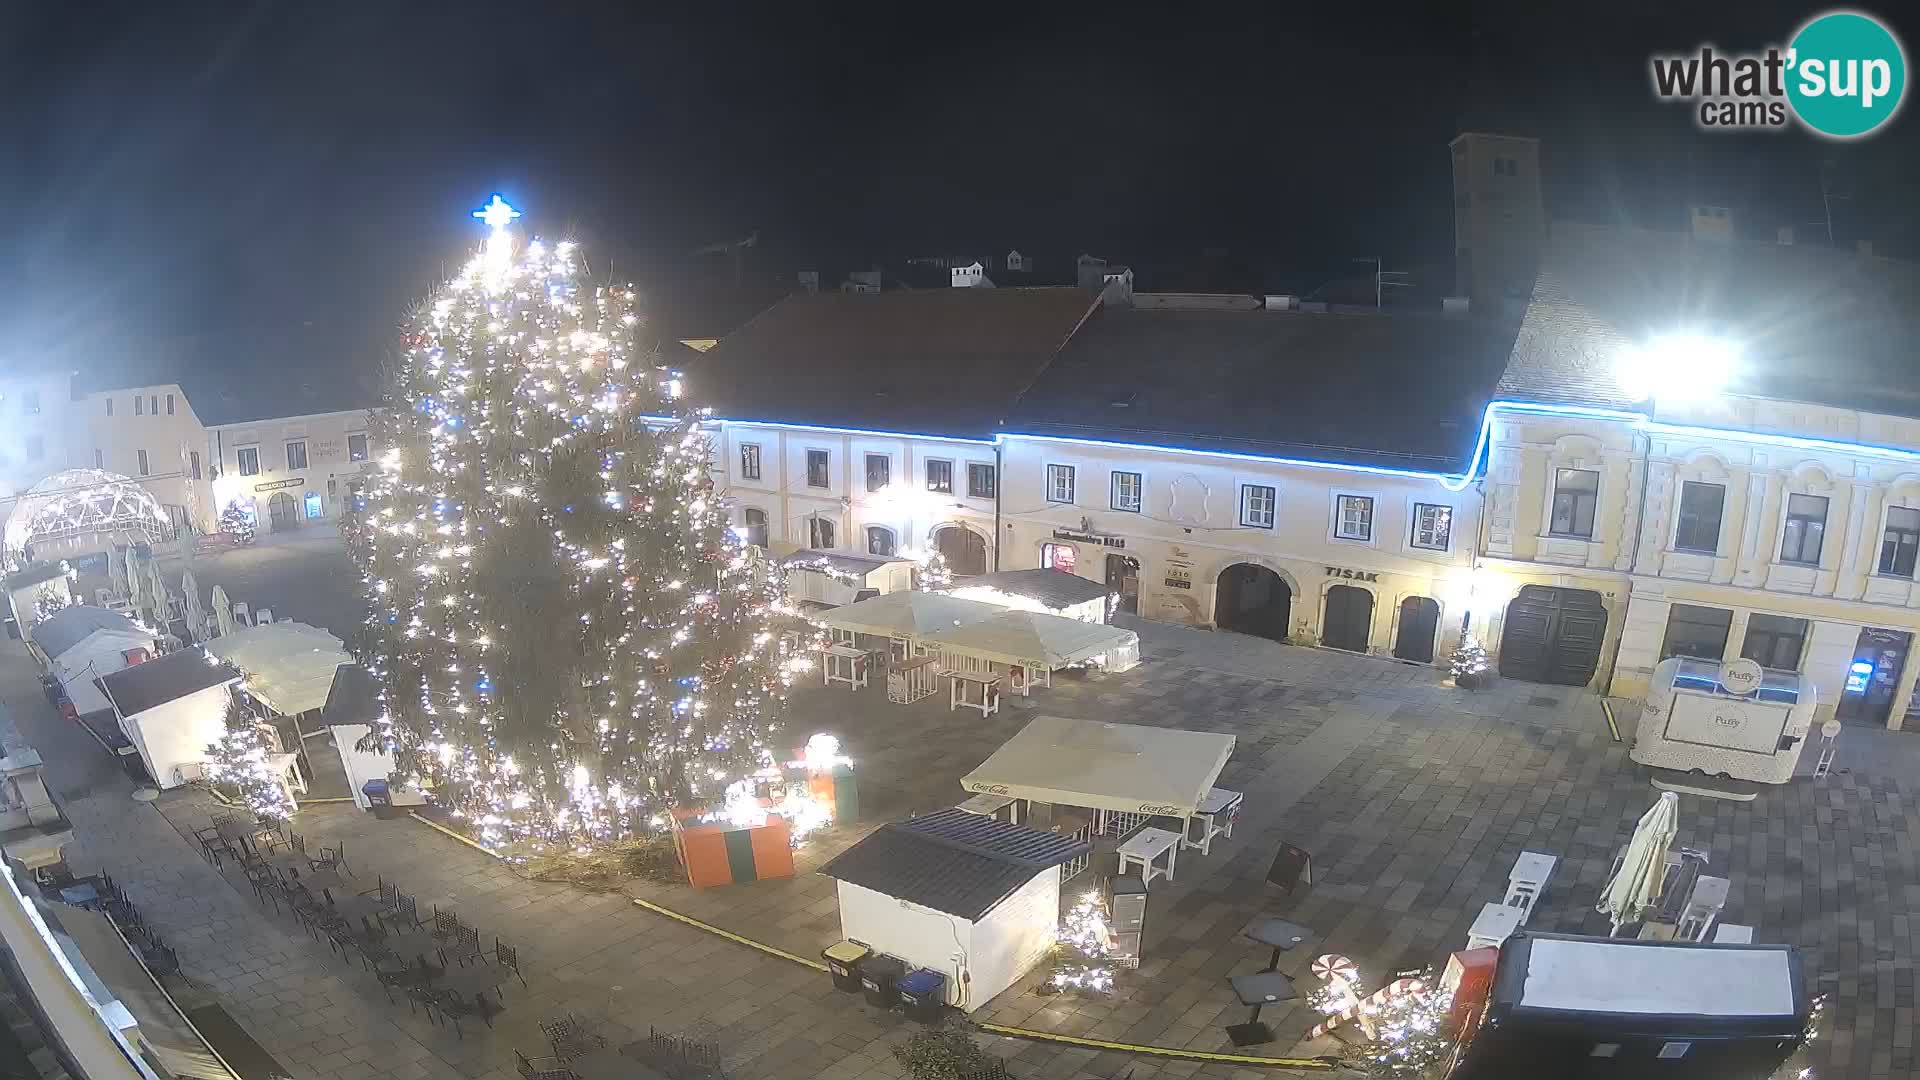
(1349, 620)
(1866, 696)
(282, 512)
(1553, 635)
(1419, 618)
(1253, 600)
(1123, 580)
(964, 550)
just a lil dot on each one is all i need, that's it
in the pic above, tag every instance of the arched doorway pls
(1419, 618)
(964, 550)
(1349, 619)
(1252, 599)
(1123, 580)
(282, 512)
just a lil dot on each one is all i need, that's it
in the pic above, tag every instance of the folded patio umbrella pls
(1643, 866)
(223, 612)
(196, 615)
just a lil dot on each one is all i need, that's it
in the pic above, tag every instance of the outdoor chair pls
(446, 924)
(331, 858)
(454, 1006)
(529, 1071)
(465, 946)
(389, 903)
(405, 912)
(421, 996)
(162, 960)
(570, 1040)
(508, 957)
(298, 843)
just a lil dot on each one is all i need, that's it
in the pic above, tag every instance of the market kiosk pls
(1735, 720)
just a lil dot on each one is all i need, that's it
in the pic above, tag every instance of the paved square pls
(1413, 799)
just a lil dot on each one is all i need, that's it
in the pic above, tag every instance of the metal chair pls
(454, 1006)
(465, 946)
(404, 912)
(508, 957)
(446, 924)
(530, 1071)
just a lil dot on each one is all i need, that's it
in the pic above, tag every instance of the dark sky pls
(256, 185)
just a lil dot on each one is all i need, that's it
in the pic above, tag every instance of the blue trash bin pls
(923, 995)
(379, 799)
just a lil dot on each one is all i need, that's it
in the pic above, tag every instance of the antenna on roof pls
(1827, 196)
(1383, 279)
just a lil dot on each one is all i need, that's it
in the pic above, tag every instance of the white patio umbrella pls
(117, 571)
(196, 615)
(157, 589)
(222, 612)
(135, 583)
(1643, 865)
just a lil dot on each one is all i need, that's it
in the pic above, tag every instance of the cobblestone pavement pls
(1413, 799)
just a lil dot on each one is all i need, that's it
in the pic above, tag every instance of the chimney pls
(810, 280)
(1712, 224)
(1864, 248)
(1453, 305)
(1118, 287)
(1279, 303)
(1786, 236)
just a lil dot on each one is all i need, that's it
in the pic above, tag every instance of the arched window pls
(879, 540)
(755, 531)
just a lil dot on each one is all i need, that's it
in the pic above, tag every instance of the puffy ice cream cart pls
(1735, 719)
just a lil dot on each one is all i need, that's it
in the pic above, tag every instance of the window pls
(99, 459)
(1060, 483)
(820, 533)
(1126, 492)
(1774, 641)
(1256, 506)
(1432, 526)
(1700, 507)
(749, 461)
(169, 404)
(817, 470)
(756, 526)
(940, 476)
(1805, 529)
(1354, 520)
(109, 406)
(981, 480)
(357, 447)
(297, 455)
(36, 447)
(1058, 557)
(1900, 541)
(1699, 632)
(139, 405)
(30, 402)
(333, 487)
(141, 456)
(879, 540)
(153, 404)
(879, 471)
(193, 460)
(1576, 492)
(249, 459)
(1505, 166)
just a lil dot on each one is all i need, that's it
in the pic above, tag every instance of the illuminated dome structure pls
(79, 509)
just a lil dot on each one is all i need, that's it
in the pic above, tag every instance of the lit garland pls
(240, 758)
(930, 572)
(1082, 958)
(568, 639)
(1470, 658)
(1404, 1025)
(237, 523)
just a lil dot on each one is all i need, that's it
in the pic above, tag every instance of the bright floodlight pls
(1678, 367)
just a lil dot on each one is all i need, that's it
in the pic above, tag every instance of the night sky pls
(273, 184)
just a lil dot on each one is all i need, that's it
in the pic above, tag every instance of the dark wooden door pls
(1349, 621)
(965, 550)
(1419, 618)
(1553, 636)
(281, 512)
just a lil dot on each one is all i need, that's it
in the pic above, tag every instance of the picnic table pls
(1219, 803)
(960, 695)
(1145, 849)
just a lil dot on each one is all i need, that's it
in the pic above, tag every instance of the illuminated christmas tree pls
(240, 759)
(1083, 958)
(567, 638)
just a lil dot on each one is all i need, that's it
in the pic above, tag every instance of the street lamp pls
(1678, 368)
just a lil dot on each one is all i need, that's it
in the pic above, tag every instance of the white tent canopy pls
(907, 614)
(289, 665)
(102, 652)
(1124, 767)
(1033, 638)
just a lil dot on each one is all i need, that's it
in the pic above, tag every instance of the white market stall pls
(1119, 776)
(1025, 647)
(172, 709)
(1046, 590)
(71, 625)
(289, 669)
(100, 653)
(831, 579)
(974, 899)
(351, 707)
(1734, 719)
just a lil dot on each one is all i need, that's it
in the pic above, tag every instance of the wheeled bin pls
(880, 978)
(843, 963)
(923, 994)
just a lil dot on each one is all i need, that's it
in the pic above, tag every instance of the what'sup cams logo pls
(1842, 76)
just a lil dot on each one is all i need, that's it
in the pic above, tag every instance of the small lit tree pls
(1083, 959)
(1406, 1033)
(241, 758)
(1468, 664)
(237, 524)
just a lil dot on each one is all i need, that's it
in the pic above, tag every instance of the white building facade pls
(292, 471)
(150, 434)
